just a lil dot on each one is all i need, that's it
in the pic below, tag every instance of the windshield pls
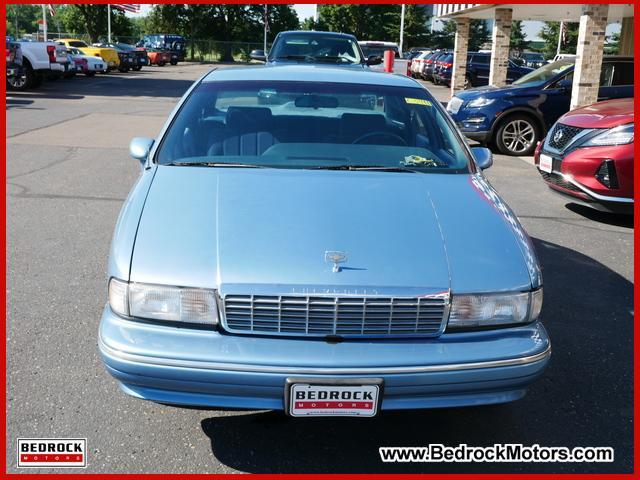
(77, 44)
(537, 57)
(378, 50)
(324, 48)
(313, 125)
(545, 73)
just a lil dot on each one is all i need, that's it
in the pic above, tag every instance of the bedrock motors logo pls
(52, 452)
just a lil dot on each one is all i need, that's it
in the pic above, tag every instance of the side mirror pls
(374, 60)
(139, 148)
(258, 55)
(565, 85)
(483, 157)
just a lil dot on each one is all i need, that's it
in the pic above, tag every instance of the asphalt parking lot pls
(68, 173)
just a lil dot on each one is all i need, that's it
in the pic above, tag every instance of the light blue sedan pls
(320, 241)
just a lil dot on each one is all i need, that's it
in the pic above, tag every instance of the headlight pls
(491, 310)
(614, 136)
(480, 102)
(163, 302)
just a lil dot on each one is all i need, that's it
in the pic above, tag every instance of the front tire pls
(22, 82)
(517, 135)
(174, 62)
(90, 74)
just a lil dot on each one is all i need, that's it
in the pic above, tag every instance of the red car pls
(158, 57)
(588, 156)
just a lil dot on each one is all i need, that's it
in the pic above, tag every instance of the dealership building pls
(593, 19)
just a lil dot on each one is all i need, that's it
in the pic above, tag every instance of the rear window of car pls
(485, 59)
(313, 125)
(378, 50)
(77, 44)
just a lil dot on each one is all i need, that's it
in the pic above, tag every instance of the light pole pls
(266, 27)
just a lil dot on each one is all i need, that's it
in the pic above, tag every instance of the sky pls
(306, 10)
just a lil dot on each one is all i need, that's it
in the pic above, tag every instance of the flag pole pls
(560, 38)
(401, 28)
(44, 22)
(108, 23)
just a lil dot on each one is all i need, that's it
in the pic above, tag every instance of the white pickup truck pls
(374, 48)
(39, 60)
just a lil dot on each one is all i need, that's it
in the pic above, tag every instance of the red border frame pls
(636, 334)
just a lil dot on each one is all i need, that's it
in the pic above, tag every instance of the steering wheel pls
(395, 137)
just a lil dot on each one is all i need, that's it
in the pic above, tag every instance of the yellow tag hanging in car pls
(417, 101)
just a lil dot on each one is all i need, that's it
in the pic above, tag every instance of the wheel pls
(468, 82)
(123, 69)
(174, 62)
(162, 64)
(24, 81)
(90, 74)
(137, 68)
(517, 135)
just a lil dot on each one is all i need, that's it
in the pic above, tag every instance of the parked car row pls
(516, 117)
(29, 62)
(437, 66)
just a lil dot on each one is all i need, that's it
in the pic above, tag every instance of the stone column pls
(459, 72)
(626, 36)
(501, 39)
(586, 76)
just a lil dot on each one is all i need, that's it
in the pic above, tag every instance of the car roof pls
(309, 73)
(316, 32)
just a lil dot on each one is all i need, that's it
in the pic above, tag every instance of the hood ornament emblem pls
(558, 135)
(335, 257)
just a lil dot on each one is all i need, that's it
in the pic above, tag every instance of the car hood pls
(228, 227)
(608, 114)
(491, 91)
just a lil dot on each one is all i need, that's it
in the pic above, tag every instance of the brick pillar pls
(626, 36)
(586, 76)
(501, 40)
(459, 72)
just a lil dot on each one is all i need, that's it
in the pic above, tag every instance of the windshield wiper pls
(332, 58)
(212, 164)
(366, 167)
(294, 57)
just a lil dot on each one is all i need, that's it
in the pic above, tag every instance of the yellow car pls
(109, 55)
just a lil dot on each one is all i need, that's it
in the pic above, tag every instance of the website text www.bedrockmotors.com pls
(511, 452)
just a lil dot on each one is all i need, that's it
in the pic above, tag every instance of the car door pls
(481, 66)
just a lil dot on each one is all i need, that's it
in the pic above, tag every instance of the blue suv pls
(514, 118)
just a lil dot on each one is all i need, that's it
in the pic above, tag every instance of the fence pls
(197, 50)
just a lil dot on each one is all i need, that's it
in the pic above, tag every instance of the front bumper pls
(209, 368)
(573, 176)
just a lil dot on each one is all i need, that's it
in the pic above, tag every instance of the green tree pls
(518, 40)
(416, 33)
(92, 21)
(478, 35)
(549, 34)
(366, 22)
(22, 19)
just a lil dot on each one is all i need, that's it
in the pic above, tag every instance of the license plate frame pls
(546, 163)
(333, 384)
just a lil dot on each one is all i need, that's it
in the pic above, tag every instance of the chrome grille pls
(328, 315)
(566, 134)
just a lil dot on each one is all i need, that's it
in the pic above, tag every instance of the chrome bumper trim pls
(597, 196)
(173, 362)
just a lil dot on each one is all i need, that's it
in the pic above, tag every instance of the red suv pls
(588, 156)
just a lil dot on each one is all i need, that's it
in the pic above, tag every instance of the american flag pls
(128, 7)
(52, 9)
